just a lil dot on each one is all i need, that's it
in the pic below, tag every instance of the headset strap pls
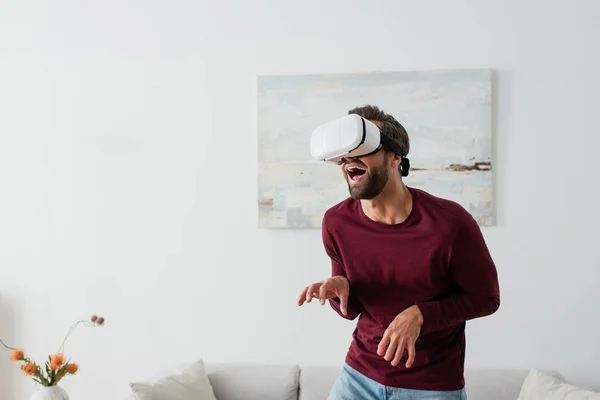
(391, 144)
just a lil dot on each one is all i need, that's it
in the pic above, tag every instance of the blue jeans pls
(352, 385)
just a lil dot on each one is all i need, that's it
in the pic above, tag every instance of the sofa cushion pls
(541, 386)
(254, 382)
(186, 382)
(496, 383)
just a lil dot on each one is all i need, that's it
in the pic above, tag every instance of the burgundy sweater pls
(436, 259)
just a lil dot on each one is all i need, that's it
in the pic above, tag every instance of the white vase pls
(50, 393)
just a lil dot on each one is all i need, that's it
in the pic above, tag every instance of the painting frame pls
(447, 114)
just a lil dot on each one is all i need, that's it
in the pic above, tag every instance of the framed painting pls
(447, 115)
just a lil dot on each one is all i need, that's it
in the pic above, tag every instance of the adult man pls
(414, 267)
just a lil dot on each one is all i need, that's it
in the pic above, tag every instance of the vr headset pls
(351, 136)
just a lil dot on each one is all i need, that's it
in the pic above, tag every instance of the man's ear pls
(395, 160)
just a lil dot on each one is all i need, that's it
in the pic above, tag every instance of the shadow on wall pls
(8, 336)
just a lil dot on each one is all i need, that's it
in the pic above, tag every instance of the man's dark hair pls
(391, 127)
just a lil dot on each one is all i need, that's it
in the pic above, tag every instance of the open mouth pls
(355, 172)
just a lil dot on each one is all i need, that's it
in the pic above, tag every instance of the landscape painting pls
(447, 115)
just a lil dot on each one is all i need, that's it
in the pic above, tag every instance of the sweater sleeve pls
(474, 273)
(354, 307)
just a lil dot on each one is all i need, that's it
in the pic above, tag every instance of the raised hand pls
(401, 335)
(335, 287)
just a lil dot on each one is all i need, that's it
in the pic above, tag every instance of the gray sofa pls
(290, 382)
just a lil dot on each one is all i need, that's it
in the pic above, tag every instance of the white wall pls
(128, 175)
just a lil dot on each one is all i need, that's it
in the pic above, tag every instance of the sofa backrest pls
(480, 383)
(316, 382)
(254, 382)
(290, 382)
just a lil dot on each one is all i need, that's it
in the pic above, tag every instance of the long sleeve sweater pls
(436, 259)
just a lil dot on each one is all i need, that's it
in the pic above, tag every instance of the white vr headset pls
(351, 136)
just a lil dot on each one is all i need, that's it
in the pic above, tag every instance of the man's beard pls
(372, 185)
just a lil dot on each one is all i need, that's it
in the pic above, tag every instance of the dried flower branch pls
(95, 322)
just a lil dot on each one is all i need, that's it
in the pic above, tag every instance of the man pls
(413, 267)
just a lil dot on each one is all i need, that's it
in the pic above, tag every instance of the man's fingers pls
(344, 302)
(323, 292)
(391, 350)
(399, 353)
(302, 297)
(311, 291)
(411, 355)
(383, 344)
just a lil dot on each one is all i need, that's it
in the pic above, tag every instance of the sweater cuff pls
(430, 313)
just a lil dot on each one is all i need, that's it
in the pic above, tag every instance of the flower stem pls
(70, 331)
(8, 347)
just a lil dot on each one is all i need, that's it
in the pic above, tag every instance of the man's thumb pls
(344, 302)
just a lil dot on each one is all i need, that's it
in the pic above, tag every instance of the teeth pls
(355, 169)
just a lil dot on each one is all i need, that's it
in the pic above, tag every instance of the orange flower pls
(57, 361)
(28, 368)
(72, 368)
(17, 355)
